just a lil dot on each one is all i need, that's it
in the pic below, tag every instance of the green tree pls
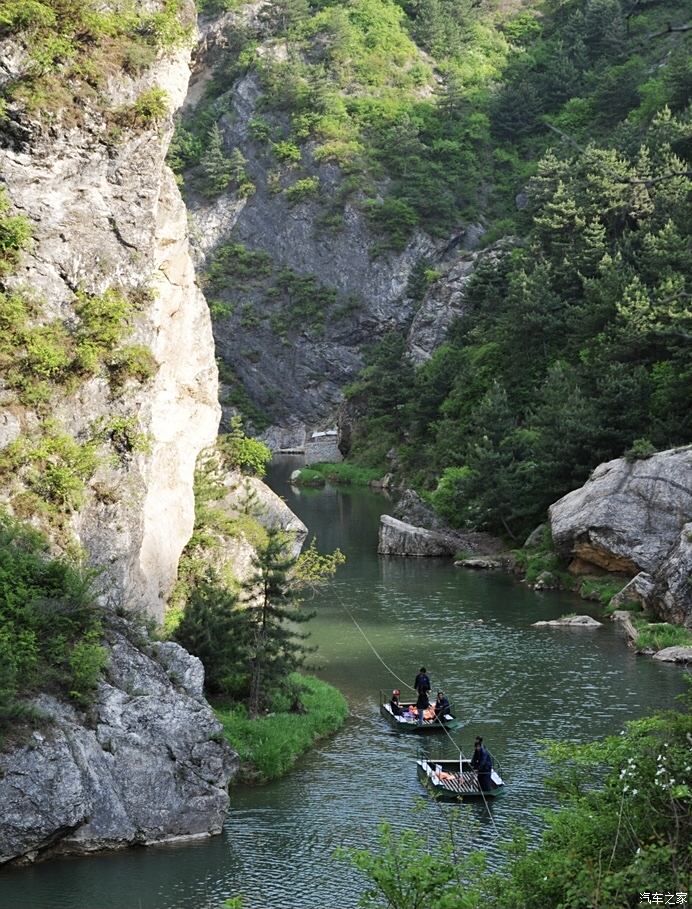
(217, 171)
(240, 452)
(274, 595)
(276, 648)
(214, 628)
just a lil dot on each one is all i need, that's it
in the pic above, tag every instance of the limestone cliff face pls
(293, 366)
(105, 212)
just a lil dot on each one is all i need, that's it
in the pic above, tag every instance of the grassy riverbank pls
(270, 745)
(342, 474)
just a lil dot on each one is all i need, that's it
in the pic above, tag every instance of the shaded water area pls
(513, 683)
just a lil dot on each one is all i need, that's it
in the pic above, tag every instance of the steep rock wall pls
(293, 367)
(105, 212)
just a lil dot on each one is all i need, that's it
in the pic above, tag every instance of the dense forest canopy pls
(562, 129)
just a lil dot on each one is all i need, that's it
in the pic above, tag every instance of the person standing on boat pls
(482, 763)
(422, 686)
(394, 704)
(422, 682)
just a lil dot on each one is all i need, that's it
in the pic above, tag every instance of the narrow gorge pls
(326, 310)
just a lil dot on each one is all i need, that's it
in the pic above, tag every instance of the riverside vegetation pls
(245, 632)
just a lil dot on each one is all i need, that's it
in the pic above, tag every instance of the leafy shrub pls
(302, 189)
(133, 362)
(15, 233)
(240, 452)
(640, 450)
(54, 466)
(86, 661)
(152, 106)
(287, 152)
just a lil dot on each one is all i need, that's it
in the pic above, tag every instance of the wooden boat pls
(409, 723)
(445, 782)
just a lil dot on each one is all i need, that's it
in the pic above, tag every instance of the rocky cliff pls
(148, 763)
(108, 392)
(634, 517)
(106, 218)
(300, 282)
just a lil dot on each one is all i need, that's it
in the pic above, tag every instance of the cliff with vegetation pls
(108, 392)
(109, 384)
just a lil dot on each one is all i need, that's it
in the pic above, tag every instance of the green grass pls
(601, 589)
(346, 473)
(269, 746)
(626, 606)
(660, 635)
(309, 477)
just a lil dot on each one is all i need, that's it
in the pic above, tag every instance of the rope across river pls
(411, 687)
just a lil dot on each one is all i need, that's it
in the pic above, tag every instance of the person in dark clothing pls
(422, 704)
(396, 707)
(422, 681)
(442, 706)
(482, 763)
(422, 686)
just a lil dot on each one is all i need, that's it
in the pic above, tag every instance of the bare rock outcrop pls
(632, 517)
(446, 300)
(148, 764)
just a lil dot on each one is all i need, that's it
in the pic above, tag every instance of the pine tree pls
(276, 648)
(216, 168)
(215, 629)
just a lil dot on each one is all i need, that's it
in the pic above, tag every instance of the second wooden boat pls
(448, 782)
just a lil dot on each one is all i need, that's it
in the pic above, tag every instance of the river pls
(516, 685)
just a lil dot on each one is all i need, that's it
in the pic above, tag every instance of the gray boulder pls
(574, 621)
(674, 655)
(639, 590)
(147, 763)
(536, 537)
(413, 510)
(673, 591)
(633, 517)
(401, 538)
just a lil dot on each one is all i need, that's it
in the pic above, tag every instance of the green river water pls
(514, 684)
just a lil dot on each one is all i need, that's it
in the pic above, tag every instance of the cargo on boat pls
(407, 721)
(455, 780)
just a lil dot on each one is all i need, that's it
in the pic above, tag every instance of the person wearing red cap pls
(396, 707)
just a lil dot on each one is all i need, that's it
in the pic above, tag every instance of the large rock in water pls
(147, 764)
(399, 538)
(635, 517)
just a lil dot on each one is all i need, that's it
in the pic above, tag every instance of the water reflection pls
(513, 684)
